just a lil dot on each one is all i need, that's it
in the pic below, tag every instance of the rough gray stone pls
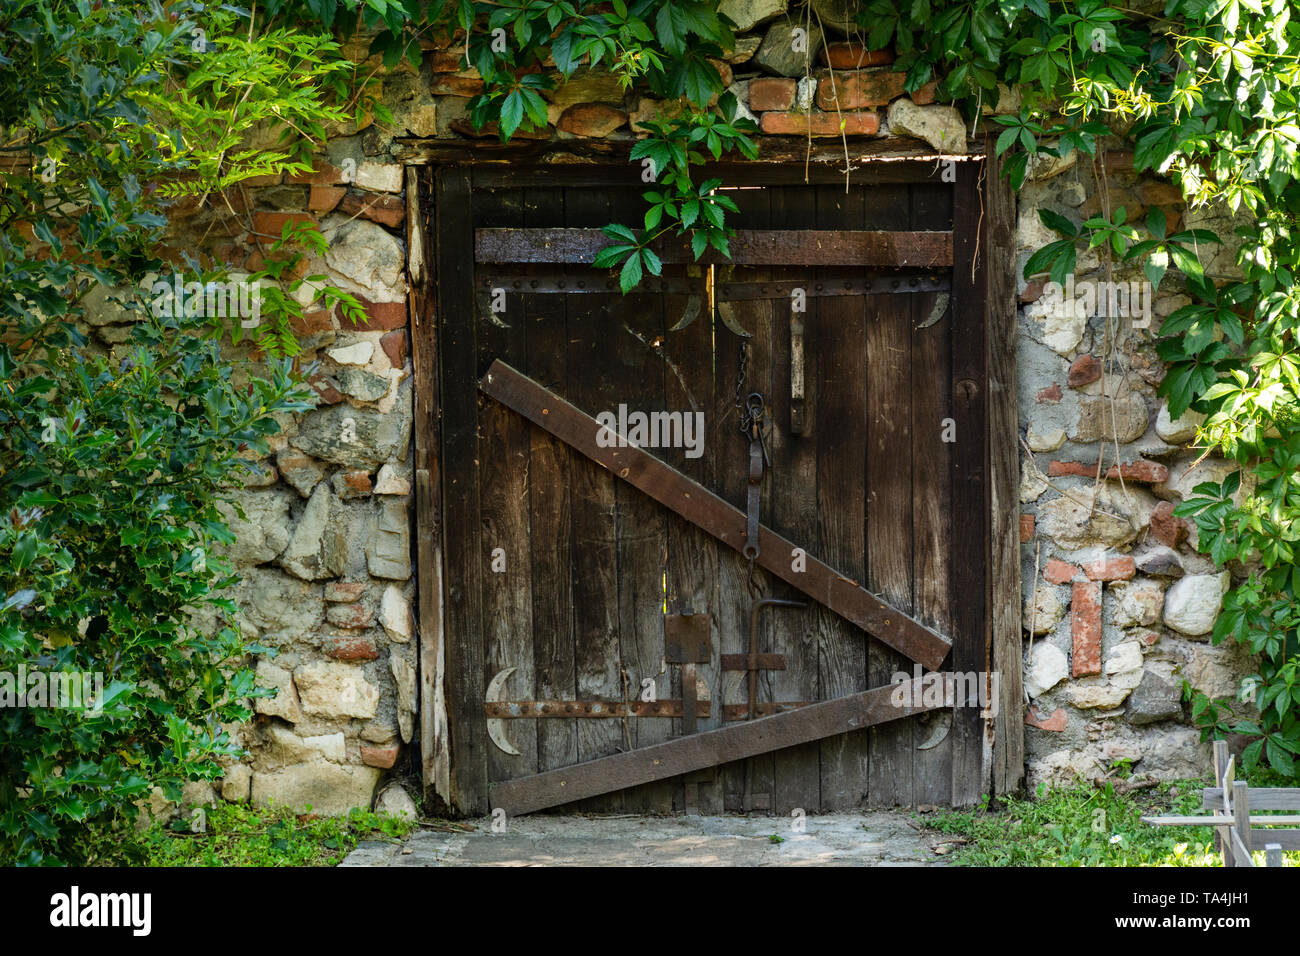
(1046, 668)
(395, 615)
(1159, 561)
(301, 471)
(235, 784)
(1180, 430)
(1045, 612)
(325, 788)
(1135, 603)
(263, 532)
(396, 802)
(940, 126)
(285, 702)
(1155, 699)
(1127, 423)
(362, 385)
(777, 54)
(364, 258)
(836, 15)
(1073, 524)
(388, 553)
(327, 689)
(1193, 603)
(357, 437)
(283, 609)
(747, 14)
(404, 677)
(305, 556)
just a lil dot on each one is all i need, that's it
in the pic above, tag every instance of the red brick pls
(1059, 572)
(1033, 291)
(1147, 638)
(349, 616)
(1085, 370)
(321, 174)
(383, 316)
(344, 591)
(854, 56)
(1085, 629)
(594, 120)
(771, 93)
(325, 198)
(326, 393)
(1166, 527)
(268, 226)
(386, 210)
(1118, 568)
(382, 757)
(1159, 194)
(1055, 721)
(447, 61)
(465, 83)
(350, 647)
(356, 484)
(820, 124)
(1026, 528)
(925, 95)
(394, 346)
(309, 323)
(859, 88)
(1058, 469)
(1050, 394)
(1145, 472)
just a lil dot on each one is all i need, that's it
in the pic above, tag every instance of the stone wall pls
(1122, 604)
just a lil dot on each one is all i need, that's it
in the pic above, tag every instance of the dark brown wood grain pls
(709, 749)
(748, 247)
(725, 522)
(969, 462)
(466, 679)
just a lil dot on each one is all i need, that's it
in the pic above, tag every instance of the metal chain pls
(741, 375)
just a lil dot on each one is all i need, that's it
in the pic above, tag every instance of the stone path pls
(865, 839)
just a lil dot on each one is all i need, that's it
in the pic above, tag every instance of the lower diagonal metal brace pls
(709, 748)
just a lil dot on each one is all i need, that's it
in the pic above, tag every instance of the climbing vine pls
(1202, 91)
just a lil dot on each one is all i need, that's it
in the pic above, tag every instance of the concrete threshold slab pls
(881, 838)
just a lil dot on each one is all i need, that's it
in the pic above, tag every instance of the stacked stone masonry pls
(1119, 603)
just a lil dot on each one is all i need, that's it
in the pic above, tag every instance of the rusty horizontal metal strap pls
(873, 283)
(514, 709)
(770, 247)
(708, 748)
(740, 662)
(703, 508)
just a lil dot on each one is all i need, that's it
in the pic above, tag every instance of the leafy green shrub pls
(112, 463)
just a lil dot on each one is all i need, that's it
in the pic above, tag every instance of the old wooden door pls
(558, 575)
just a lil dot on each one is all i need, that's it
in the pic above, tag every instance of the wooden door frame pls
(988, 755)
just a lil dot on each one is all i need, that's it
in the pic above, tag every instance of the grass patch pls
(238, 835)
(1085, 825)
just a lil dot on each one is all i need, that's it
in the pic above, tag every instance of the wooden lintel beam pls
(710, 748)
(703, 508)
(754, 247)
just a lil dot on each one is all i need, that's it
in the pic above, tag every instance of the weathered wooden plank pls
(466, 679)
(549, 489)
(692, 573)
(1263, 820)
(889, 521)
(835, 423)
(1261, 798)
(434, 745)
(705, 509)
(504, 487)
(598, 648)
(698, 751)
(932, 524)
(790, 505)
(970, 501)
(748, 247)
(1000, 313)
